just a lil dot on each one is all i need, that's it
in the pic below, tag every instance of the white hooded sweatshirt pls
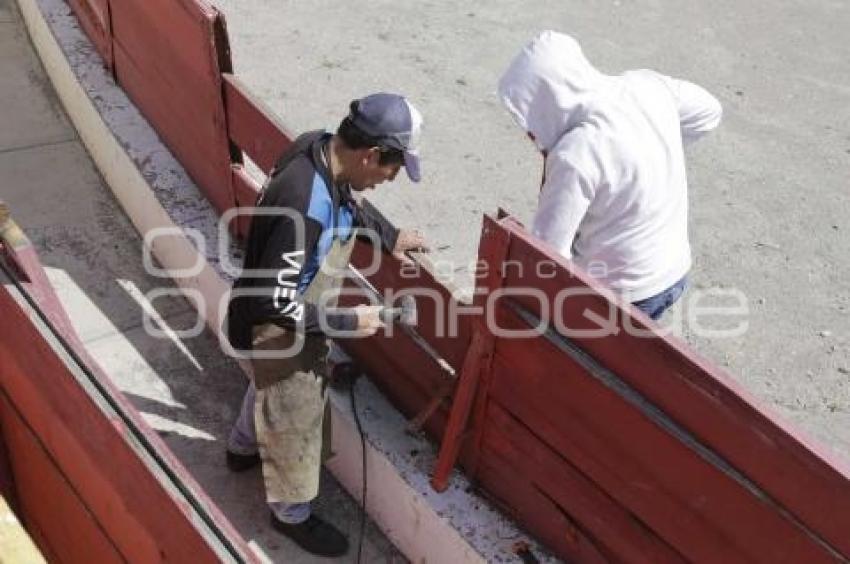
(615, 194)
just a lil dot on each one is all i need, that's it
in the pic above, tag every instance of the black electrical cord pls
(131, 425)
(363, 456)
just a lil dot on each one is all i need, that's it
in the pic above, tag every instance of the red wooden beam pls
(493, 247)
(253, 126)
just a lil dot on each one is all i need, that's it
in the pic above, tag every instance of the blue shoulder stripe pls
(321, 205)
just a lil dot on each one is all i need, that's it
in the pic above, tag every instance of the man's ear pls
(364, 155)
(373, 156)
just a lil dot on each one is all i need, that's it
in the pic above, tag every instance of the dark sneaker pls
(241, 462)
(314, 535)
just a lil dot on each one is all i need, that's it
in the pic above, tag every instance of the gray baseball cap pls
(394, 123)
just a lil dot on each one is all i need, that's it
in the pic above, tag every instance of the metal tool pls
(407, 312)
(404, 315)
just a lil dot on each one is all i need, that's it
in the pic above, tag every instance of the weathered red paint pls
(591, 514)
(168, 62)
(252, 126)
(89, 456)
(53, 512)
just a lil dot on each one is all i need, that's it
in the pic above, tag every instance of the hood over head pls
(548, 88)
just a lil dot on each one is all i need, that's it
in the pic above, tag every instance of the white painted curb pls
(153, 189)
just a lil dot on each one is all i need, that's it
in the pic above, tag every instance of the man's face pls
(371, 172)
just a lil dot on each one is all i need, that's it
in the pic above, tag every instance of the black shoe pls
(241, 462)
(314, 535)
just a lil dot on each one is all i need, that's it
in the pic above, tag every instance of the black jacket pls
(284, 250)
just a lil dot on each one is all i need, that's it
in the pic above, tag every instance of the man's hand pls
(368, 319)
(409, 240)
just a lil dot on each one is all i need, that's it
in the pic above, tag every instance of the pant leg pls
(289, 415)
(291, 513)
(656, 305)
(243, 435)
(336, 355)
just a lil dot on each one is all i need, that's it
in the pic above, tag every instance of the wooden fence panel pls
(589, 512)
(797, 473)
(695, 507)
(252, 126)
(168, 61)
(120, 491)
(44, 494)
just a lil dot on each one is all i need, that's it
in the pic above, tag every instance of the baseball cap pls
(394, 123)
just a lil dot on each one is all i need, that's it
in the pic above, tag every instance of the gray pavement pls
(186, 389)
(769, 197)
(5, 11)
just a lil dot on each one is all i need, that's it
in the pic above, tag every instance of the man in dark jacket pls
(282, 306)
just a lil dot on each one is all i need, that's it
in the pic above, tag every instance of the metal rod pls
(418, 339)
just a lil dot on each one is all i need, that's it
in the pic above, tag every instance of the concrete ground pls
(187, 390)
(769, 198)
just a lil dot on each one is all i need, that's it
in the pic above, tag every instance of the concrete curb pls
(158, 196)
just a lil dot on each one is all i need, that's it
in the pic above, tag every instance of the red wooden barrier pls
(124, 509)
(252, 126)
(798, 473)
(169, 55)
(44, 496)
(635, 457)
(82, 481)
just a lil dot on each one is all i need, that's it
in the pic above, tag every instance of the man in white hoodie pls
(615, 196)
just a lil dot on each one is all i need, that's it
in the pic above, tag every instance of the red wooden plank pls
(695, 507)
(475, 374)
(93, 16)
(600, 518)
(540, 515)
(167, 60)
(121, 492)
(55, 516)
(798, 473)
(493, 247)
(252, 125)
(461, 407)
(7, 479)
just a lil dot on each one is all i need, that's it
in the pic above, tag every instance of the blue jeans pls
(656, 305)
